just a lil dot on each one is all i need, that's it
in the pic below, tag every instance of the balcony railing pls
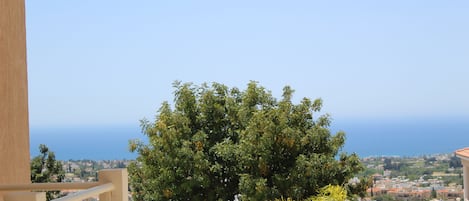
(112, 185)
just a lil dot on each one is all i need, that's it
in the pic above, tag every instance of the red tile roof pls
(463, 152)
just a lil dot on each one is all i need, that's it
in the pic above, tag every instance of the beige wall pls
(14, 125)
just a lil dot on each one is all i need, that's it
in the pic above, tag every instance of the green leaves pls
(330, 193)
(219, 142)
(45, 168)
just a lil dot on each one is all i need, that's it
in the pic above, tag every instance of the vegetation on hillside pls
(414, 168)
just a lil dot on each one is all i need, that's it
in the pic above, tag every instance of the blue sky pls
(113, 62)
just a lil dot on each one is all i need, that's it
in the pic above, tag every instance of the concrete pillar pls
(465, 169)
(25, 196)
(118, 177)
(14, 125)
(463, 154)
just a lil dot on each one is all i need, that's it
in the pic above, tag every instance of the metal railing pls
(112, 185)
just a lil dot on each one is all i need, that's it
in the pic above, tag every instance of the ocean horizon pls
(405, 137)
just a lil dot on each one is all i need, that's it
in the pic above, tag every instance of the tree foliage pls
(45, 168)
(330, 193)
(218, 143)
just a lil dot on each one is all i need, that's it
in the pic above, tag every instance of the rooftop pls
(464, 152)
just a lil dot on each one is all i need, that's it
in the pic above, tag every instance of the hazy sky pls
(94, 62)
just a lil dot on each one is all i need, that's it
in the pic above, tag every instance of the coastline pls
(366, 138)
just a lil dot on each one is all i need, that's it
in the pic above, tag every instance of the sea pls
(366, 137)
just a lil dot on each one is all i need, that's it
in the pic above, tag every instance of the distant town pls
(430, 177)
(87, 170)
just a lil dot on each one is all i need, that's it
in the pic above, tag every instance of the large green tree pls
(45, 168)
(217, 143)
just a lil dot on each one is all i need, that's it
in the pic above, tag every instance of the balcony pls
(112, 185)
